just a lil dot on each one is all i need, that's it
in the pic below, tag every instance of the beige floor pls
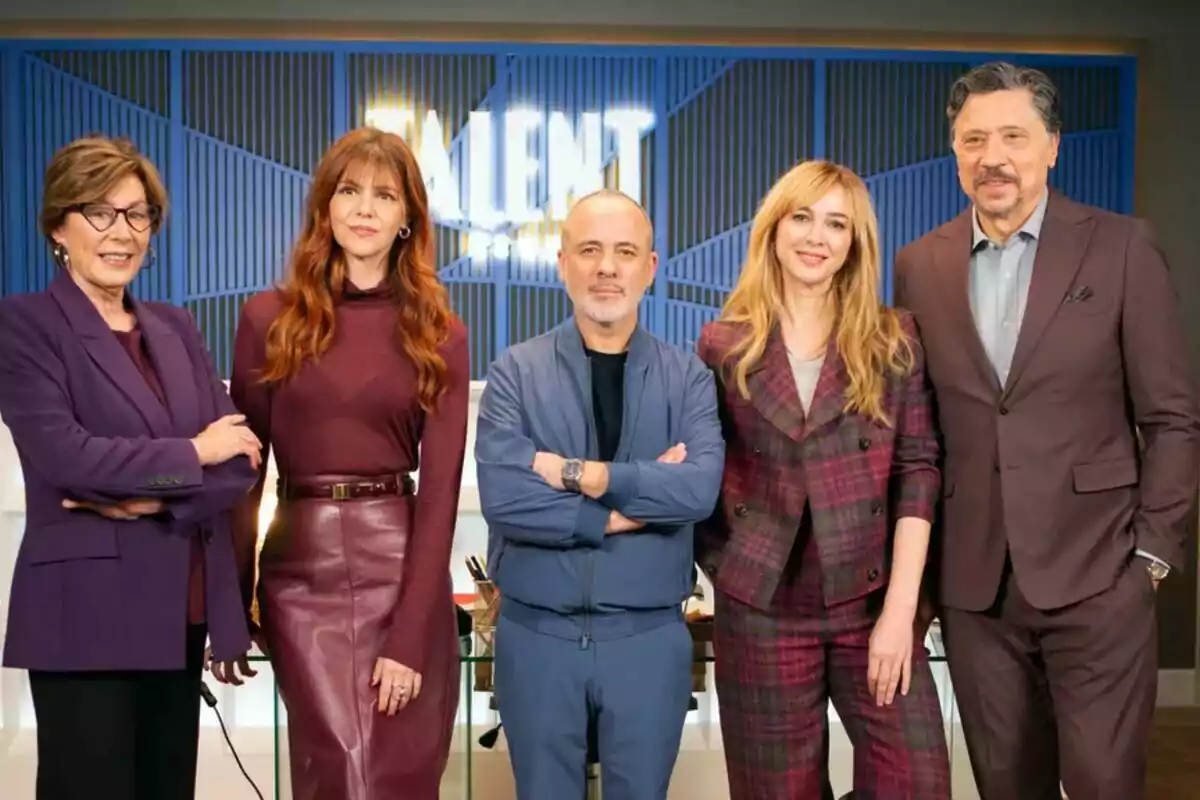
(699, 773)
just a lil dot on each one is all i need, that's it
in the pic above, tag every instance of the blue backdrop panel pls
(68, 95)
(506, 135)
(731, 134)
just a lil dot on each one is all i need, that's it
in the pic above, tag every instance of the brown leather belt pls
(357, 489)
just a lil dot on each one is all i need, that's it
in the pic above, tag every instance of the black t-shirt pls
(608, 399)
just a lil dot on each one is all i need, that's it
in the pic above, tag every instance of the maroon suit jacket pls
(858, 476)
(1049, 466)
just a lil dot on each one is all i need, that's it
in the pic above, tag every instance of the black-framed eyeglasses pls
(102, 216)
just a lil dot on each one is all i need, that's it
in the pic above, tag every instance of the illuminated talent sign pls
(573, 160)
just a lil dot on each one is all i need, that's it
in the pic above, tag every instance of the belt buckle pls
(341, 491)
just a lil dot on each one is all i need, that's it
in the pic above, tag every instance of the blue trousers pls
(634, 689)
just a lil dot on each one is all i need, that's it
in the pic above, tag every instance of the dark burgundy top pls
(354, 411)
(135, 345)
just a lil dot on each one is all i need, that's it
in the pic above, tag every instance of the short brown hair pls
(87, 169)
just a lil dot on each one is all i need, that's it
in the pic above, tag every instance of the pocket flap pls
(70, 540)
(1099, 476)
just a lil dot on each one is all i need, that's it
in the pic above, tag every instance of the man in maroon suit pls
(1055, 345)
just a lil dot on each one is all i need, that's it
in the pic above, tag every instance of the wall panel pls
(505, 134)
(69, 97)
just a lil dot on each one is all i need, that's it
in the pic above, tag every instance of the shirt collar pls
(1032, 228)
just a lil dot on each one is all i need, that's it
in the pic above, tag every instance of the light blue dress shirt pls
(1000, 276)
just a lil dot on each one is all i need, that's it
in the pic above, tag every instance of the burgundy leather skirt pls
(331, 572)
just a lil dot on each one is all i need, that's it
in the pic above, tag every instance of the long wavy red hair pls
(317, 271)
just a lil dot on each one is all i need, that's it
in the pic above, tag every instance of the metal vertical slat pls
(177, 180)
(190, 171)
(6, 199)
(212, 189)
(225, 180)
(54, 123)
(662, 156)
(15, 199)
(278, 223)
(820, 105)
(881, 162)
(1127, 132)
(499, 266)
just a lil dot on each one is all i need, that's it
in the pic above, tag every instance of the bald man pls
(598, 447)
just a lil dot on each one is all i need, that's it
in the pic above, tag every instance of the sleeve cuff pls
(182, 473)
(592, 522)
(917, 500)
(622, 485)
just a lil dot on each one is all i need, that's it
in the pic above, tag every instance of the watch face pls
(573, 468)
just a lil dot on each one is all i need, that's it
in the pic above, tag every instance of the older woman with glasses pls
(132, 454)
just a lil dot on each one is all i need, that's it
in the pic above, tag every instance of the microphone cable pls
(211, 701)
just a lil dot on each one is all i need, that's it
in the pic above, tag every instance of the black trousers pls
(119, 735)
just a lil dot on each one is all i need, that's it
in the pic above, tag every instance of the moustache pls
(994, 175)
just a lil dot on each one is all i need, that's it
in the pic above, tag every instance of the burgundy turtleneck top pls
(354, 411)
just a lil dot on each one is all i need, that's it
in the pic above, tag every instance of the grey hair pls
(1000, 75)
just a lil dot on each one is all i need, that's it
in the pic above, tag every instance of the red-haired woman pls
(344, 371)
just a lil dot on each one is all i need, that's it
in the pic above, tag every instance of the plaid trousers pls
(776, 671)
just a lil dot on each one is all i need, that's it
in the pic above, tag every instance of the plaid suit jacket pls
(857, 475)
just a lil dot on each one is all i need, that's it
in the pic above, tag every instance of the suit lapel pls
(1063, 240)
(174, 368)
(829, 396)
(952, 261)
(107, 353)
(773, 389)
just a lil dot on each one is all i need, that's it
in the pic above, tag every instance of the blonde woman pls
(818, 545)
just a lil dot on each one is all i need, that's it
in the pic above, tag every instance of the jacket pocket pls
(71, 540)
(1100, 476)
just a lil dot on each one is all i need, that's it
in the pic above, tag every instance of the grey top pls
(806, 371)
(1000, 275)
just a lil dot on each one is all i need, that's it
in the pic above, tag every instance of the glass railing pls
(476, 661)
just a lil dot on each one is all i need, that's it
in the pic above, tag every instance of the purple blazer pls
(90, 593)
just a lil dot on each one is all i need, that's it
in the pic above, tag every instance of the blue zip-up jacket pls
(556, 570)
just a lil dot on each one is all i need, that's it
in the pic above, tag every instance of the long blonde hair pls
(868, 334)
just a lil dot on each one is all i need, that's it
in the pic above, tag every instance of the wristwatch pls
(572, 471)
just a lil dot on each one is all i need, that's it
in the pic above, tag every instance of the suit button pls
(876, 507)
(864, 443)
(757, 451)
(1003, 410)
(873, 575)
(740, 509)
